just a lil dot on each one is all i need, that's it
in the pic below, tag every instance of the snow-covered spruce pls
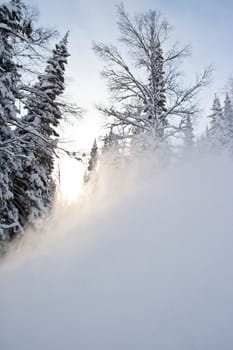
(11, 26)
(189, 137)
(228, 124)
(216, 131)
(220, 133)
(92, 163)
(39, 137)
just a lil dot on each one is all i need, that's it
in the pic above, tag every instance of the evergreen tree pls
(216, 131)
(110, 141)
(228, 124)
(106, 143)
(92, 162)
(114, 146)
(39, 134)
(93, 157)
(11, 26)
(188, 133)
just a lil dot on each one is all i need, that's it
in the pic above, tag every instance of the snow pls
(144, 262)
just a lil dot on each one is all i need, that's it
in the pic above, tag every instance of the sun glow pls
(71, 178)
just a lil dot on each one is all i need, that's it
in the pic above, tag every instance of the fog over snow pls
(143, 261)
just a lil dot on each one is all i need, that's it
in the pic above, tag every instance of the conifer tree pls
(188, 133)
(228, 124)
(113, 147)
(11, 26)
(93, 157)
(39, 134)
(106, 143)
(216, 131)
(109, 140)
(92, 163)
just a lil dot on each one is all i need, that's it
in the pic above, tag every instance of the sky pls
(205, 24)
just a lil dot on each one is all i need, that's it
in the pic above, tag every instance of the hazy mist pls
(143, 260)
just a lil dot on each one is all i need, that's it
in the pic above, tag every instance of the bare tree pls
(33, 47)
(148, 95)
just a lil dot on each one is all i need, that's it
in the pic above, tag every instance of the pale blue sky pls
(205, 24)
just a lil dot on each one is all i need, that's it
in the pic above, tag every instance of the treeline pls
(29, 116)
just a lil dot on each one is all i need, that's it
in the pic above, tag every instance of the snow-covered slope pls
(143, 270)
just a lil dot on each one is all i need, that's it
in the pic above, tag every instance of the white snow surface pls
(144, 263)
